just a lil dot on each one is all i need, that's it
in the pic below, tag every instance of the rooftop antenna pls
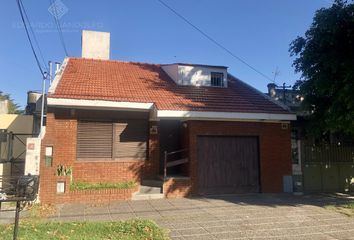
(276, 74)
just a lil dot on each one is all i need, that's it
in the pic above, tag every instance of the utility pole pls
(284, 92)
(45, 75)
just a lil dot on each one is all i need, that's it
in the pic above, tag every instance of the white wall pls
(95, 44)
(3, 106)
(172, 71)
(193, 74)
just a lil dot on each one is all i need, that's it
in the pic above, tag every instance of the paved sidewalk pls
(258, 216)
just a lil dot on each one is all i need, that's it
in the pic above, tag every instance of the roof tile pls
(142, 82)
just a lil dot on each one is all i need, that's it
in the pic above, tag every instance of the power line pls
(33, 34)
(58, 26)
(213, 40)
(29, 38)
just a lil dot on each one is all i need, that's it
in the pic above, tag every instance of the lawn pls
(125, 230)
(347, 209)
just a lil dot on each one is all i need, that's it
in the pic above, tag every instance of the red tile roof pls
(147, 83)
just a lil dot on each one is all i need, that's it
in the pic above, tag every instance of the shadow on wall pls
(177, 187)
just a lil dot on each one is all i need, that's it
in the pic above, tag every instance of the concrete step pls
(145, 196)
(150, 190)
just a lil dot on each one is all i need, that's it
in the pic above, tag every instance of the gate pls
(12, 153)
(328, 168)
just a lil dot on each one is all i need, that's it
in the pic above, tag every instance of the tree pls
(13, 108)
(325, 59)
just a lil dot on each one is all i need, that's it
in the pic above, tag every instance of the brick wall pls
(177, 187)
(91, 196)
(274, 148)
(61, 133)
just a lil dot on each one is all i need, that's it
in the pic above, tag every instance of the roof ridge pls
(283, 106)
(113, 60)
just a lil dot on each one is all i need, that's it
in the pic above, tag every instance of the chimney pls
(271, 90)
(95, 44)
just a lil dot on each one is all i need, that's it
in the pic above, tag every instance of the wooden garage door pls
(228, 164)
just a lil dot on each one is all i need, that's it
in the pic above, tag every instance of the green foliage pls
(13, 108)
(63, 170)
(325, 58)
(125, 230)
(95, 186)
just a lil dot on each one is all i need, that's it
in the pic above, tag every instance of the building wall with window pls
(197, 75)
(82, 140)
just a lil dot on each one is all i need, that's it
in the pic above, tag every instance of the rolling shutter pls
(130, 140)
(94, 139)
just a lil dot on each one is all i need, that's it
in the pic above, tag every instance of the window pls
(217, 79)
(112, 141)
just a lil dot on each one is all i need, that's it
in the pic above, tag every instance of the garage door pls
(228, 164)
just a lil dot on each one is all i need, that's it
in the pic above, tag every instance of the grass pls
(125, 230)
(96, 186)
(346, 209)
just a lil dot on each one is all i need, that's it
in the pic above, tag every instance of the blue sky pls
(258, 31)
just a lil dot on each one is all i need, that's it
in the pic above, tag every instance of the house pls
(193, 128)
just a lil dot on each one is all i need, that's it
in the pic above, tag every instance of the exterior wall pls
(274, 149)
(4, 106)
(177, 187)
(198, 76)
(61, 132)
(92, 196)
(193, 75)
(172, 71)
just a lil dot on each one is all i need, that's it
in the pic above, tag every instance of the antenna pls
(276, 74)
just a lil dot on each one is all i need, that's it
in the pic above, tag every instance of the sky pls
(257, 31)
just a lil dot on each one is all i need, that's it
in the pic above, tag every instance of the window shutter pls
(94, 139)
(130, 140)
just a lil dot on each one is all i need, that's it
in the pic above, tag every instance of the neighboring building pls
(34, 106)
(115, 121)
(4, 108)
(319, 164)
(14, 129)
(292, 99)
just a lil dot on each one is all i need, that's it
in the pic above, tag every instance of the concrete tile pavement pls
(256, 216)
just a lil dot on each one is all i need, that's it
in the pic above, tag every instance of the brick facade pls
(177, 187)
(61, 132)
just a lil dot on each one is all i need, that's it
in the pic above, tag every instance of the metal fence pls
(328, 168)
